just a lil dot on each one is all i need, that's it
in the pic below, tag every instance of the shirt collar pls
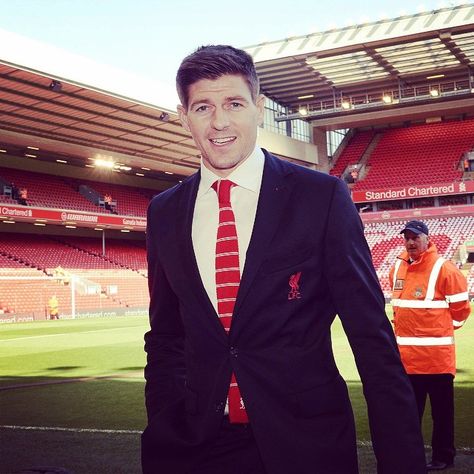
(247, 175)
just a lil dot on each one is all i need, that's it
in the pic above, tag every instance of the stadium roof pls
(98, 110)
(339, 71)
(72, 106)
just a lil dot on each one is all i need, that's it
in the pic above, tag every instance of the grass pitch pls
(71, 395)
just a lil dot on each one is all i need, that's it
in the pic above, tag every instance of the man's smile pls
(222, 141)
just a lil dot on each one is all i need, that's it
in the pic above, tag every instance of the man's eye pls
(236, 105)
(202, 108)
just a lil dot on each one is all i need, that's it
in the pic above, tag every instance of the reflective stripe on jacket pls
(430, 300)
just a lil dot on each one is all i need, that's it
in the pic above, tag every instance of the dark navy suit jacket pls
(279, 345)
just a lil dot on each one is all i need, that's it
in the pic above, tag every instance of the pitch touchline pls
(62, 334)
(72, 430)
(95, 430)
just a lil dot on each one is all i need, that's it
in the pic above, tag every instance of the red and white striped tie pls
(227, 282)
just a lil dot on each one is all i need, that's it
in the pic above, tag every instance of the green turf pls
(54, 350)
(464, 385)
(88, 373)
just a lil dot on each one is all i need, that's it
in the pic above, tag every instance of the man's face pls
(415, 244)
(223, 121)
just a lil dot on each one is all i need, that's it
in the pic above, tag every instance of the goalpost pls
(27, 298)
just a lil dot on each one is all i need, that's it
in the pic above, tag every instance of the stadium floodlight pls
(434, 92)
(303, 111)
(104, 163)
(345, 104)
(122, 167)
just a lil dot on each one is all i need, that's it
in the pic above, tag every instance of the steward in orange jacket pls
(430, 300)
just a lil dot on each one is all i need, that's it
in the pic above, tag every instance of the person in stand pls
(15, 191)
(109, 204)
(53, 305)
(62, 276)
(430, 301)
(23, 197)
(249, 261)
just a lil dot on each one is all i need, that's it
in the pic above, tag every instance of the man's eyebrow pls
(233, 98)
(236, 98)
(199, 101)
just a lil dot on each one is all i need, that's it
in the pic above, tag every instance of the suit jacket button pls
(234, 351)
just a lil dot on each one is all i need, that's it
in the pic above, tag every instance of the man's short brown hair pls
(212, 62)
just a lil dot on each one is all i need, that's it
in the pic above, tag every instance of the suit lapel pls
(186, 258)
(274, 194)
(184, 222)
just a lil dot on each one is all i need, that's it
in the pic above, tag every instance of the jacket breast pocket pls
(284, 261)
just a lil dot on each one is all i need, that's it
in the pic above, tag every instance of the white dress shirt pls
(244, 199)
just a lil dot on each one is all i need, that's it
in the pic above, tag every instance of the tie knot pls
(222, 188)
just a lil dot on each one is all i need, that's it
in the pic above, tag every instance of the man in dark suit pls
(240, 374)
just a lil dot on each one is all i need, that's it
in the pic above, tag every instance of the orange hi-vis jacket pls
(430, 300)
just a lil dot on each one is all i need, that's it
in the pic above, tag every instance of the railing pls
(368, 100)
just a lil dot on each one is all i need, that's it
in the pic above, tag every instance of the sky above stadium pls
(150, 37)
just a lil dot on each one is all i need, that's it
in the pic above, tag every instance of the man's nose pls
(220, 119)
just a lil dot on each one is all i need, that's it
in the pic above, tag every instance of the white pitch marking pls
(72, 430)
(61, 334)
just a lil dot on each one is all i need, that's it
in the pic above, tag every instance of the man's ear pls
(183, 117)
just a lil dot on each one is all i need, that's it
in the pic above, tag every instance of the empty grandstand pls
(85, 279)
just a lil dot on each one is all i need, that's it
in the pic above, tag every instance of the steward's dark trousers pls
(440, 389)
(233, 452)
